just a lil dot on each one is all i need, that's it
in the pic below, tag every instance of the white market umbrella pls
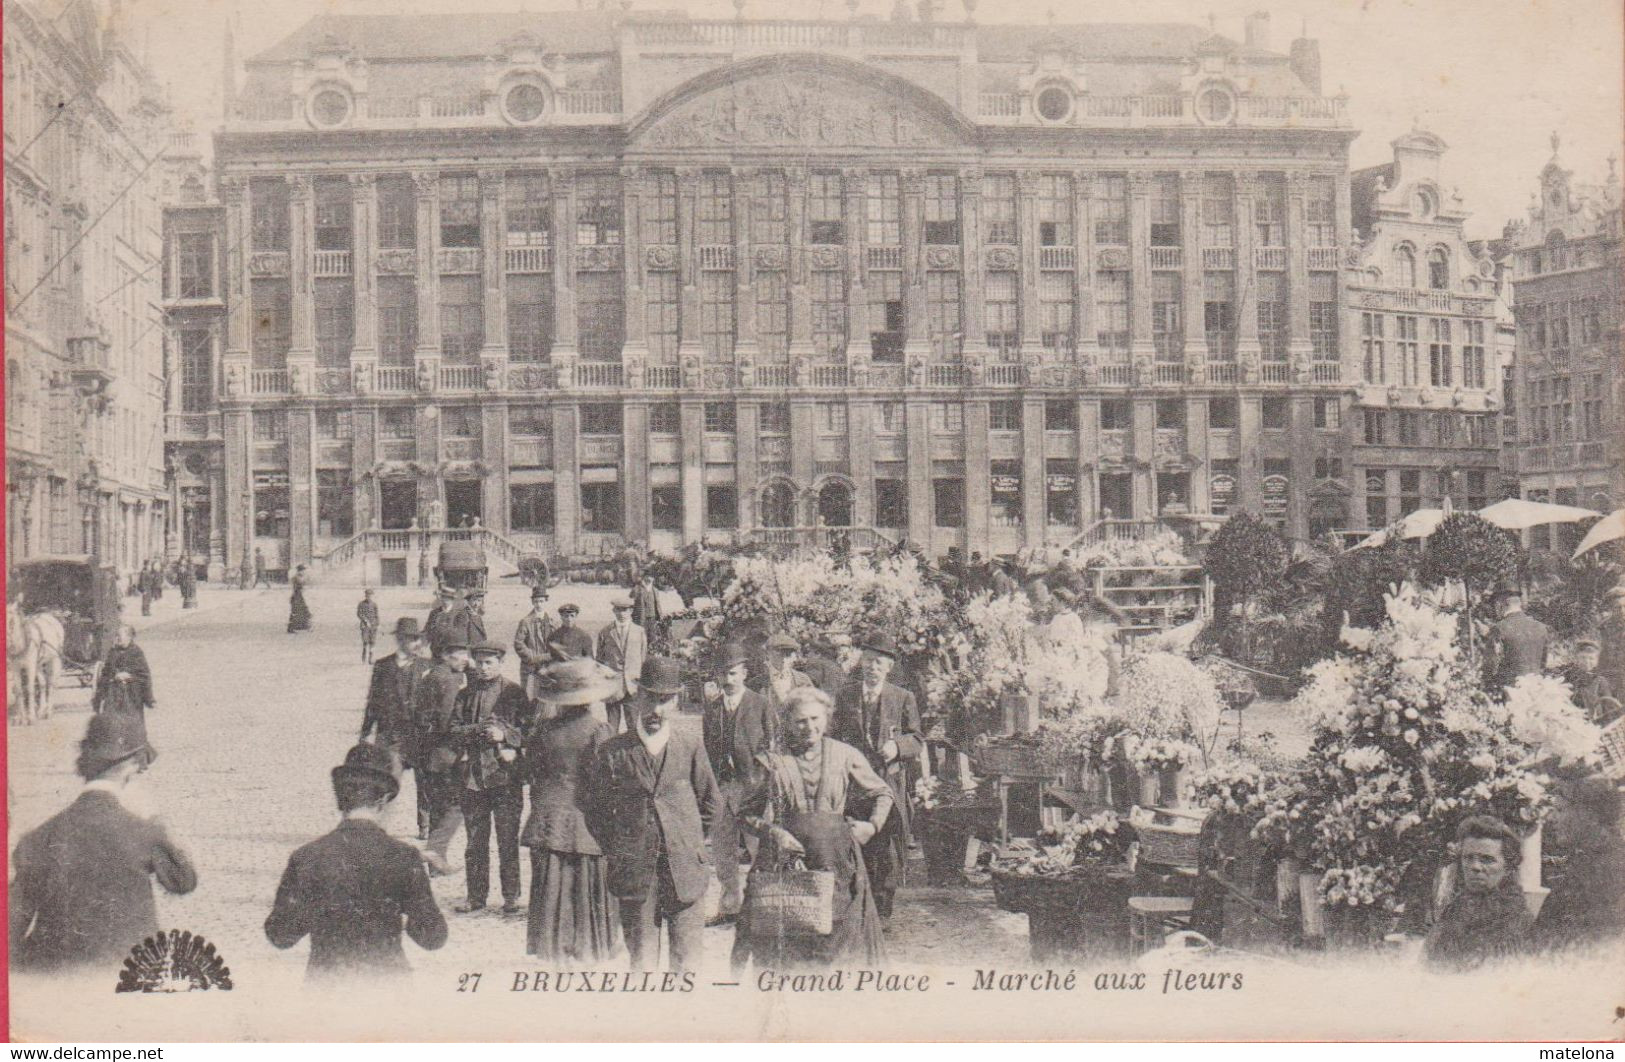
(1610, 528)
(1518, 514)
(1419, 524)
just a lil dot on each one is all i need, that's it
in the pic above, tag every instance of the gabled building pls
(1423, 302)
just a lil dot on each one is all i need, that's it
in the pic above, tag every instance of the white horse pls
(22, 662)
(34, 660)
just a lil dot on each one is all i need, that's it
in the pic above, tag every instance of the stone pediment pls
(800, 107)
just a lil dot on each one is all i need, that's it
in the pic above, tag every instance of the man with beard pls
(1487, 919)
(649, 796)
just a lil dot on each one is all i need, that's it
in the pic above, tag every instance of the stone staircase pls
(347, 562)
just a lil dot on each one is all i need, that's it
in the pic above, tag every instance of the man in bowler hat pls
(490, 720)
(738, 726)
(883, 722)
(355, 889)
(81, 895)
(649, 796)
(387, 718)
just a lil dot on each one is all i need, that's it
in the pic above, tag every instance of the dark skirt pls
(298, 612)
(856, 936)
(572, 915)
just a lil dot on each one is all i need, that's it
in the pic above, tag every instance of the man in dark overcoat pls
(883, 722)
(354, 890)
(738, 726)
(1518, 643)
(649, 797)
(438, 750)
(391, 694)
(567, 640)
(491, 719)
(81, 892)
(646, 604)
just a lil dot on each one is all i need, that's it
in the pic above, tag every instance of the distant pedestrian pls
(124, 682)
(259, 569)
(186, 579)
(298, 611)
(356, 889)
(81, 895)
(366, 614)
(149, 581)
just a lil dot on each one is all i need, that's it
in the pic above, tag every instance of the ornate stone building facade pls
(595, 278)
(1426, 309)
(84, 123)
(1567, 374)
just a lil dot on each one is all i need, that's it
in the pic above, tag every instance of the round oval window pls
(1054, 104)
(526, 103)
(330, 107)
(194, 464)
(1215, 105)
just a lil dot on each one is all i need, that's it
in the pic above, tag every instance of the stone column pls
(747, 467)
(566, 477)
(853, 180)
(917, 412)
(800, 284)
(301, 483)
(1303, 465)
(1034, 519)
(1194, 281)
(427, 183)
(860, 413)
(363, 248)
(637, 502)
(1084, 313)
(688, 265)
(1141, 348)
(1247, 193)
(301, 263)
(1196, 444)
(916, 343)
(235, 284)
(363, 455)
(1144, 452)
(973, 288)
(561, 183)
(1088, 458)
(1297, 240)
(803, 446)
(494, 301)
(692, 414)
(239, 521)
(978, 531)
(494, 452)
(1032, 339)
(1250, 437)
(634, 310)
(746, 347)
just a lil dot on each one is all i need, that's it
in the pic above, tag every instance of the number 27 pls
(468, 982)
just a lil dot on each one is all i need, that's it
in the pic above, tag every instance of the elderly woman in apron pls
(799, 811)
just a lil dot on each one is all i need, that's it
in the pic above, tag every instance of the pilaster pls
(1032, 339)
(1141, 348)
(978, 481)
(566, 477)
(1034, 520)
(916, 343)
(692, 415)
(561, 183)
(639, 514)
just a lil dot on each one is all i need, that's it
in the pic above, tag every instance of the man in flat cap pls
(355, 889)
(490, 721)
(1592, 691)
(622, 647)
(569, 641)
(781, 675)
(438, 750)
(882, 721)
(391, 694)
(81, 895)
(649, 796)
(530, 644)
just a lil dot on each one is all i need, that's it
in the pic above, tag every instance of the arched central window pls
(1438, 269)
(1404, 267)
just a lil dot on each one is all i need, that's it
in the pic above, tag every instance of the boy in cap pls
(353, 890)
(622, 647)
(530, 641)
(569, 641)
(490, 721)
(649, 796)
(82, 891)
(1592, 691)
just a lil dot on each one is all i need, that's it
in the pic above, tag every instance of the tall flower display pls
(1407, 742)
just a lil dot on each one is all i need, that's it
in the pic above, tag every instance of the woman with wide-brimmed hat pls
(572, 914)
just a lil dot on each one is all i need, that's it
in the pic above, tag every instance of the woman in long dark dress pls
(799, 812)
(298, 611)
(573, 917)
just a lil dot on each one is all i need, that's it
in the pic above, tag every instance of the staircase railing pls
(858, 539)
(376, 540)
(1116, 530)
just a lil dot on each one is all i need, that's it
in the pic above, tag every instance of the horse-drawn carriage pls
(461, 566)
(62, 617)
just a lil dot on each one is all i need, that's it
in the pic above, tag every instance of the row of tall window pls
(1395, 492)
(1554, 328)
(1436, 428)
(1456, 352)
(528, 215)
(1565, 408)
(1405, 268)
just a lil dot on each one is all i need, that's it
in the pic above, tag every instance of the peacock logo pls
(176, 961)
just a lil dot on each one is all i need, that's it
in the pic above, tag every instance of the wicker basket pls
(1165, 843)
(1012, 760)
(1612, 749)
(1026, 894)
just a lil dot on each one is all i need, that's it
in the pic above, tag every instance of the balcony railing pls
(1218, 258)
(599, 374)
(663, 377)
(1275, 372)
(1116, 375)
(1327, 372)
(332, 263)
(772, 376)
(800, 34)
(1057, 257)
(1169, 373)
(883, 257)
(392, 107)
(461, 106)
(528, 259)
(1327, 258)
(589, 101)
(829, 376)
(716, 256)
(1269, 258)
(397, 378)
(1223, 372)
(268, 381)
(1005, 374)
(461, 377)
(1167, 257)
(945, 376)
(1001, 105)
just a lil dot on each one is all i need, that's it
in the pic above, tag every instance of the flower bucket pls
(1286, 884)
(946, 840)
(1150, 788)
(1170, 788)
(1529, 864)
(1020, 711)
